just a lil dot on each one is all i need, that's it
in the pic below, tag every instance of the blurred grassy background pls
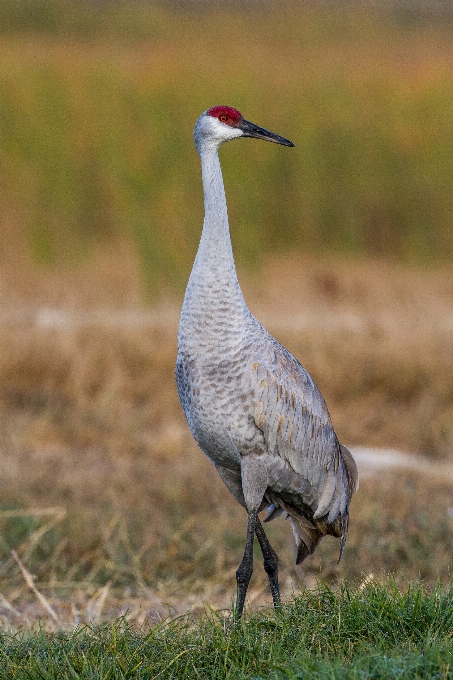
(98, 102)
(344, 246)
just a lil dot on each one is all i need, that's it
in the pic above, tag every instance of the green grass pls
(374, 632)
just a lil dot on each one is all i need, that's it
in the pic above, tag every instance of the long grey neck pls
(213, 283)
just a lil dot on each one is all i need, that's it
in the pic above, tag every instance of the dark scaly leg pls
(270, 562)
(245, 569)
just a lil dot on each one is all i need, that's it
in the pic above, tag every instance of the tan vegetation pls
(91, 424)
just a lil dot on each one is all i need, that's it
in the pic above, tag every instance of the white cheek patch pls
(223, 133)
(210, 133)
(231, 133)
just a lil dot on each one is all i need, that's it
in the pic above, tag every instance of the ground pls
(109, 504)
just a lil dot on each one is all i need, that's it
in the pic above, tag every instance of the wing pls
(293, 417)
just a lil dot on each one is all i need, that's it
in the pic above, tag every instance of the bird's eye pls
(224, 118)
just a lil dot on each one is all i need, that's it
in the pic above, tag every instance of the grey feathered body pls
(250, 405)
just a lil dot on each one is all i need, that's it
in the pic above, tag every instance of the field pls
(107, 500)
(344, 248)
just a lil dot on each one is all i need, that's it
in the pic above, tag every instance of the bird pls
(252, 408)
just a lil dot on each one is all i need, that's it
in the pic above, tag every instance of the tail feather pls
(307, 537)
(308, 532)
(344, 533)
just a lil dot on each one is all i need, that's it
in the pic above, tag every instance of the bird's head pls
(219, 124)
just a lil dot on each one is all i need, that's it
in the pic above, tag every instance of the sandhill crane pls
(250, 405)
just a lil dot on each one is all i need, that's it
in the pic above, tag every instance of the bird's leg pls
(245, 569)
(270, 562)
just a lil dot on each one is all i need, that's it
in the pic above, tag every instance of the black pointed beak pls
(252, 130)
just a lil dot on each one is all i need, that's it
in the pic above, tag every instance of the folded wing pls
(319, 475)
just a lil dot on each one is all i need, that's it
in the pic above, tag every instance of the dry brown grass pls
(92, 432)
